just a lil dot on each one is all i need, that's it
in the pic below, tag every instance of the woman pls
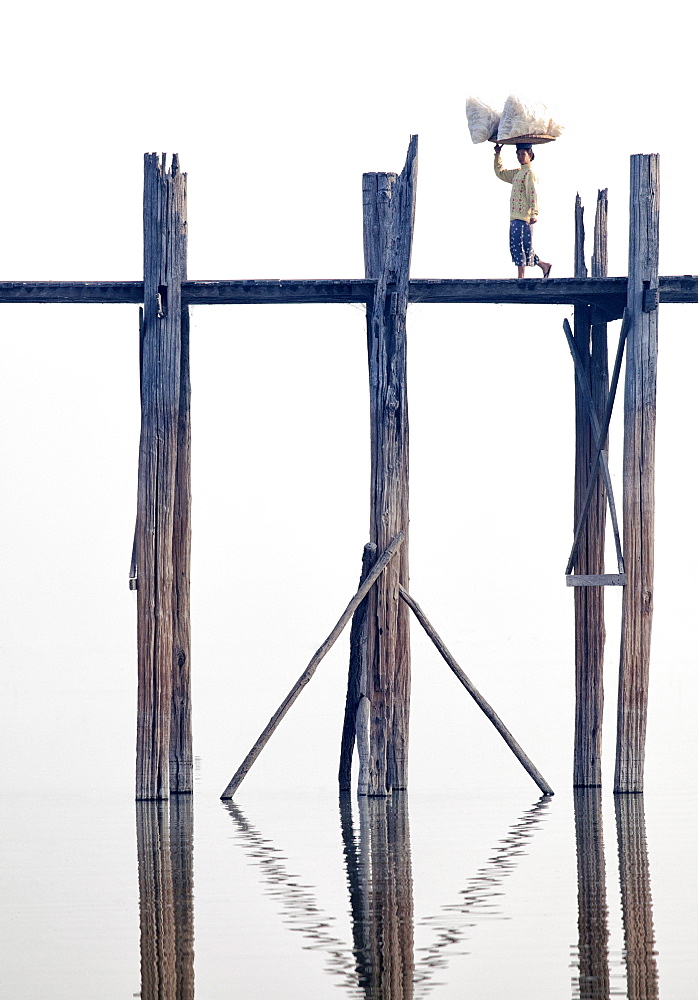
(523, 207)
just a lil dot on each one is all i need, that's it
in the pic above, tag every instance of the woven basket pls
(535, 140)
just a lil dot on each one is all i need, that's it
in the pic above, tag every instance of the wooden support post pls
(356, 686)
(181, 750)
(164, 235)
(389, 202)
(638, 472)
(590, 632)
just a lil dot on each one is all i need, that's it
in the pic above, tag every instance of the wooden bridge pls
(377, 713)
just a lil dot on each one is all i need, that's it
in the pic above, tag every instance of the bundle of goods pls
(517, 123)
(483, 121)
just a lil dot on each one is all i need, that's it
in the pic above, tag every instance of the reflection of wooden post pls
(355, 859)
(156, 902)
(164, 235)
(388, 218)
(636, 898)
(638, 472)
(182, 854)
(386, 873)
(594, 978)
(590, 632)
(166, 901)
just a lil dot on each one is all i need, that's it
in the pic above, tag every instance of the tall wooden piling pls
(159, 501)
(388, 205)
(181, 751)
(590, 334)
(638, 472)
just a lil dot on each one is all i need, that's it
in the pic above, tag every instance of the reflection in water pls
(479, 895)
(379, 874)
(165, 879)
(297, 902)
(380, 963)
(636, 898)
(593, 982)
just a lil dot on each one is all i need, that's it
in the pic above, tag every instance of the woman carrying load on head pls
(523, 207)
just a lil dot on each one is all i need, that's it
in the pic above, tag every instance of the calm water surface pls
(304, 896)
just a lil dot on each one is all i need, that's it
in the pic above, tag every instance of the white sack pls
(525, 119)
(483, 120)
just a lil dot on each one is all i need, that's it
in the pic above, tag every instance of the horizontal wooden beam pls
(553, 291)
(72, 291)
(276, 291)
(609, 294)
(596, 580)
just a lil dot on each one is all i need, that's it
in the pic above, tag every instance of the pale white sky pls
(276, 109)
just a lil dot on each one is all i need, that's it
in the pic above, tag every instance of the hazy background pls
(276, 110)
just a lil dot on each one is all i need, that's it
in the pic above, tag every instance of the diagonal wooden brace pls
(600, 432)
(329, 642)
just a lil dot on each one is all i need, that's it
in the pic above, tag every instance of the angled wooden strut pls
(481, 702)
(600, 444)
(603, 435)
(375, 573)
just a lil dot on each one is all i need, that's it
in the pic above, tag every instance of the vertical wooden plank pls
(163, 221)
(590, 631)
(389, 202)
(638, 473)
(580, 267)
(357, 674)
(181, 751)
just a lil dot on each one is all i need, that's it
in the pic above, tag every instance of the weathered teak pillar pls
(181, 750)
(162, 525)
(590, 632)
(638, 472)
(389, 202)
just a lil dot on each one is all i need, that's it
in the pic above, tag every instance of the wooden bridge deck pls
(609, 294)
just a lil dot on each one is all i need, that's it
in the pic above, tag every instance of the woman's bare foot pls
(545, 267)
